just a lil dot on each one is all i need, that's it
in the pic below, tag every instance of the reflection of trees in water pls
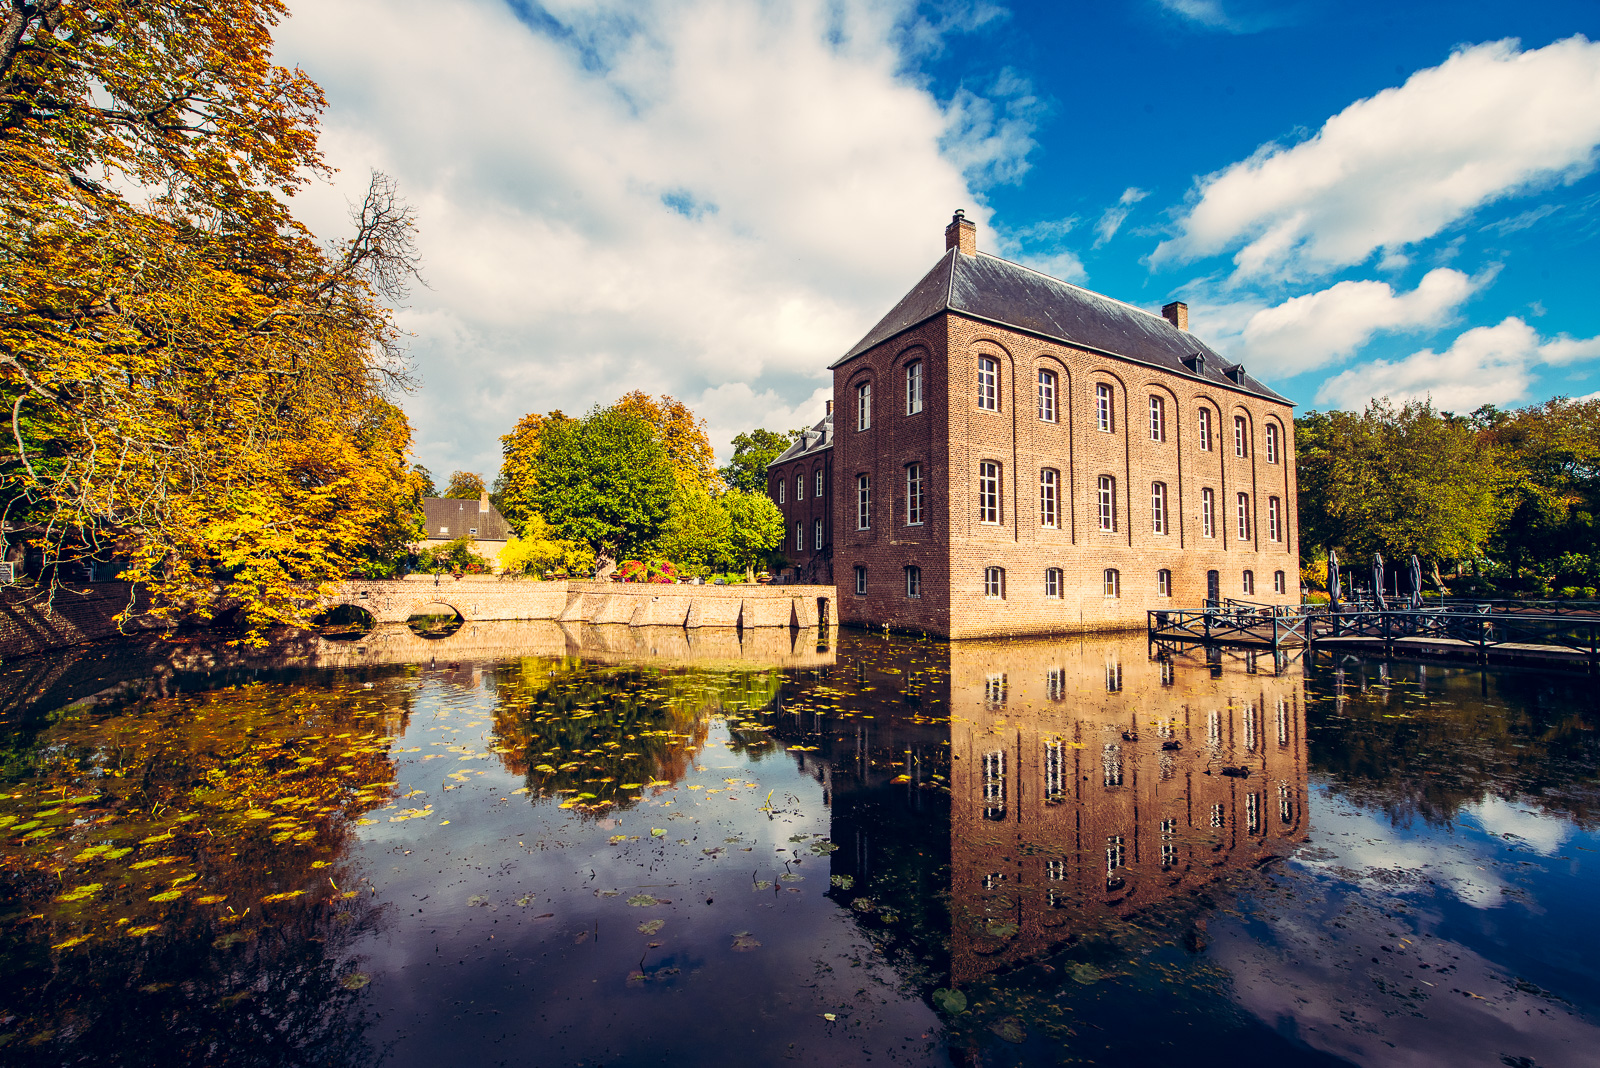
(1421, 741)
(600, 733)
(175, 886)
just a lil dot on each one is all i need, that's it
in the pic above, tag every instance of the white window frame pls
(1205, 429)
(913, 387)
(864, 406)
(1272, 443)
(988, 384)
(1105, 416)
(994, 583)
(1247, 581)
(1274, 520)
(1280, 583)
(1158, 507)
(861, 580)
(1111, 582)
(799, 537)
(914, 500)
(1158, 418)
(1049, 498)
(818, 493)
(1047, 397)
(989, 511)
(816, 533)
(1106, 499)
(800, 486)
(1244, 516)
(1052, 582)
(863, 502)
(1164, 583)
(1239, 436)
(1208, 513)
(783, 488)
(994, 783)
(913, 580)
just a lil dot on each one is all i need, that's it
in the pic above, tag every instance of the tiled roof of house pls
(815, 440)
(451, 517)
(989, 288)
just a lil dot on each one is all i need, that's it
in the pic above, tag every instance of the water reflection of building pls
(1089, 783)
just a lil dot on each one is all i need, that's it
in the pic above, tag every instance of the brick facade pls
(793, 482)
(958, 431)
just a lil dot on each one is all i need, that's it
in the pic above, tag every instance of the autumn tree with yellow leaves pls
(193, 382)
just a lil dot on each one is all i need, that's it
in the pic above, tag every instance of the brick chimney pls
(483, 501)
(829, 409)
(961, 234)
(1176, 313)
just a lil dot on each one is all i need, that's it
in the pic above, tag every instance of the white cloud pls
(1208, 13)
(1113, 218)
(1543, 834)
(1398, 167)
(1485, 365)
(1319, 328)
(676, 196)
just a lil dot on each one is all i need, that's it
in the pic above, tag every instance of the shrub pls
(458, 557)
(647, 571)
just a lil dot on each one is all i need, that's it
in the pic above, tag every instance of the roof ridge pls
(1083, 289)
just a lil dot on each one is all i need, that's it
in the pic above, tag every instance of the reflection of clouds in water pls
(1543, 834)
(1367, 844)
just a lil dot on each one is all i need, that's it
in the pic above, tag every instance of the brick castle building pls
(1007, 453)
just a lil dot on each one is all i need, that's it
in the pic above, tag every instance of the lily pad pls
(950, 1002)
(642, 901)
(743, 942)
(1085, 974)
(355, 980)
(1009, 1028)
(650, 927)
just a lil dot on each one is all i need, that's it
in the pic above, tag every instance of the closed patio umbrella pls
(1333, 580)
(1416, 581)
(1377, 579)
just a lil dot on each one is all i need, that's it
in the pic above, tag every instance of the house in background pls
(1015, 454)
(449, 518)
(800, 482)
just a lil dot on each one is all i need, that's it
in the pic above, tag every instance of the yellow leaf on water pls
(140, 932)
(77, 940)
(167, 895)
(211, 899)
(285, 896)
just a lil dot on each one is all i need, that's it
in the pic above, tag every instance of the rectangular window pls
(1111, 764)
(1247, 582)
(1280, 584)
(861, 579)
(1049, 498)
(1055, 684)
(1252, 813)
(994, 689)
(1158, 507)
(1158, 419)
(1111, 579)
(864, 406)
(800, 487)
(816, 534)
(1208, 514)
(1218, 818)
(994, 582)
(988, 492)
(1244, 517)
(913, 495)
(863, 502)
(799, 537)
(1052, 582)
(994, 785)
(1108, 503)
(1055, 765)
(1274, 530)
(1116, 852)
(1163, 583)
(1047, 396)
(1238, 435)
(783, 484)
(819, 482)
(1104, 417)
(1205, 429)
(913, 582)
(914, 387)
(1272, 443)
(988, 384)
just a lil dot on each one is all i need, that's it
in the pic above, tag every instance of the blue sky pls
(715, 199)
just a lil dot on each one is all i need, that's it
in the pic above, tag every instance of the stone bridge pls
(481, 599)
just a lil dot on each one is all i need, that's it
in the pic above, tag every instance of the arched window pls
(988, 492)
(1158, 419)
(819, 482)
(1163, 583)
(913, 495)
(1244, 517)
(1280, 583)
(1208, 513)
(1158, 507)
(1049, 498)
(1240, 436)
(994, 583)
(816, 534)
(1108, 503)
(799, 537)
(863, 502)
(1104, 417)
(913, 387)
(1047, 396)
(913, 581)
(783, 484)
(1205, 429)
(1248, 583)
(800, 486)
(1111, 579)
(988, 384)
(861, 579)
(1052, 582)
(1272, 443)
(864, 406)
(1274, 523)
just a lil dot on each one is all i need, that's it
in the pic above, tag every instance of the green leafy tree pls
(752, 453)
(696, 533)
(755, 528)
(604, 480)
(516, 487)
(459, 556)
(468, 485)
(1397, 481)
(427, 487)
(537, 550)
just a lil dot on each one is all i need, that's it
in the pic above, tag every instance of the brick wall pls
(812, 562)
(82, 612)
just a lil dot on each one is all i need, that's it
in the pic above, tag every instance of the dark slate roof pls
(461, 515)
(811, 442)
(1009, 294)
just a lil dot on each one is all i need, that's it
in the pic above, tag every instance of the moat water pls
(826, 849)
